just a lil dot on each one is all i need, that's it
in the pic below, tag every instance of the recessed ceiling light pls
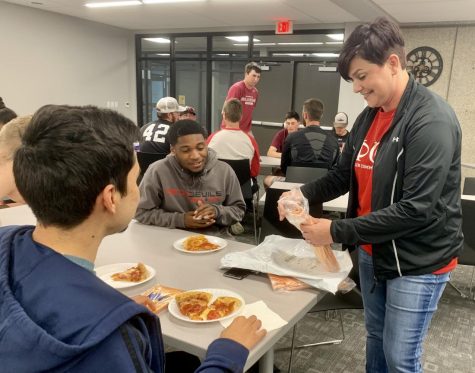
(241, 39)
(263, 44)
(113, 3)
(167, 1)
(333, 42)
(309, 43)
(325, 54)
(339, 37)
(162, 54)
(158, 40)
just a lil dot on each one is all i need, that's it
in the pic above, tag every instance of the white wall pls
(349, 102)
(48, 58)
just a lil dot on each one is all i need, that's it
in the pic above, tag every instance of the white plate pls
(175, 311)
(105, 273)
(178, 244)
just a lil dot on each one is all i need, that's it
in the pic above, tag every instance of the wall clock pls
(425, 64)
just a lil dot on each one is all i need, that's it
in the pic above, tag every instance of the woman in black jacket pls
(401, 167)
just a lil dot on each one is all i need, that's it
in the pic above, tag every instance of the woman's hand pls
(317, 231)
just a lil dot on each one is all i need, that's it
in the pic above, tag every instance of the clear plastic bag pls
(346, 285)
(296, 209)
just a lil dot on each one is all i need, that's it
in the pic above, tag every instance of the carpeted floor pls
(449, 346)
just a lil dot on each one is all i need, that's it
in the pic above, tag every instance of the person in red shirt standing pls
(401, 167)
(246, 92)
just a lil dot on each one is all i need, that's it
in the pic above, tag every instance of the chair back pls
(270, 220)
(242, 170)
(467, 256)
(146, 159)
(304, 175)
(469, 186)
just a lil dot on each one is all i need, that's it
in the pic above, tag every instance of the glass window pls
(155, 85)
(191, 87)
(318, 46)
(225, 74)
(230, 46)
(190, 47)
(156, 46)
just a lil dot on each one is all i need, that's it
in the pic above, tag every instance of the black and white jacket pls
(415, 226)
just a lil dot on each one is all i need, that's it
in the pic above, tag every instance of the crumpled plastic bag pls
(296, 209)
(291, 257)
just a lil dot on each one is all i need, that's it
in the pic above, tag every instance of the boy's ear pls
(108, 198)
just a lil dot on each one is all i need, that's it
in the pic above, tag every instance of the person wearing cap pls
(154, 134)
(245, 91)
(189, 113)
(339, 129)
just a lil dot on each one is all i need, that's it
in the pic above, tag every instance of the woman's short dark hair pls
(184, 127)
(69, 154)
(292, 114)
(373, 42)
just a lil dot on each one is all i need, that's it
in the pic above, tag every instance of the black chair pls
(250, 190)
(334, 303)
(146, 159)
(469, 186)
(271, 224)
(304, 175)
(467, 257)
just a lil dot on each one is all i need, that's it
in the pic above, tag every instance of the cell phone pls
(238, 273)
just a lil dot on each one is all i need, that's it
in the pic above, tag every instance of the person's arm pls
(431, 142)
(272, 152)
(229, 353)
(277, 143)
(233, 207)
(132, 347)
(256, 159)
(149, 210)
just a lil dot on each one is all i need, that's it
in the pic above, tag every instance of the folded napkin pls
(270, 320)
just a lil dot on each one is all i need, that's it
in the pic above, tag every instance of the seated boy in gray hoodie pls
(190, 188)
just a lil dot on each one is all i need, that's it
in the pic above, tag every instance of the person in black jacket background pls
(401, 166)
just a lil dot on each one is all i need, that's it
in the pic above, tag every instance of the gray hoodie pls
(167, 192)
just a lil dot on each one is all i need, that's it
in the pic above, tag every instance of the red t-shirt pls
(278, 140)
(248, 98)
(364, 172)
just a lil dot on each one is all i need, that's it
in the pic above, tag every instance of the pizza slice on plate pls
(193, 303)
(199, 243)
(225, 306)
(133, 274)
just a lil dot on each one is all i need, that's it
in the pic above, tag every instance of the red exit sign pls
(284, 27)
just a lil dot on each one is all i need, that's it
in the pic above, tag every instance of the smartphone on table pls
(239, 273)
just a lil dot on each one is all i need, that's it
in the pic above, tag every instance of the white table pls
(269, 161)
(153, 246)
(468, 165)
(338, 204)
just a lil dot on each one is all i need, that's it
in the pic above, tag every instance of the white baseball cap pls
(169, 105)
(341, 120)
